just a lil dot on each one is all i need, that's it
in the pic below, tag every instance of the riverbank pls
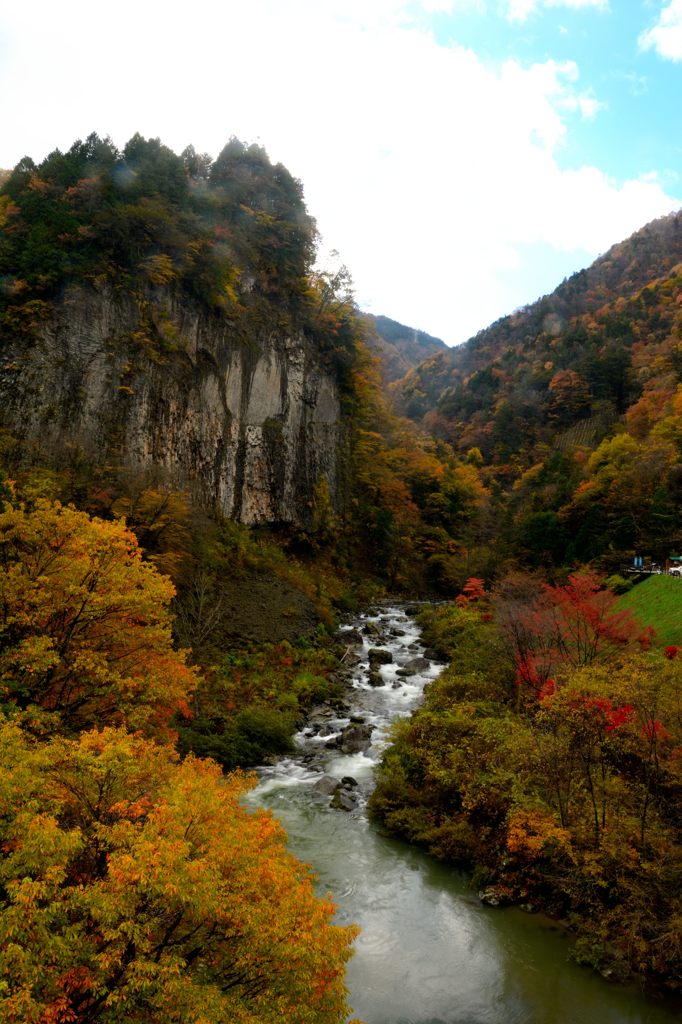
(428, 951)
(555, 806)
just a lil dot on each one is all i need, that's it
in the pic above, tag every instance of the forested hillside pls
(144, 214)
(651, 253)
(399, 348)
(573, 405)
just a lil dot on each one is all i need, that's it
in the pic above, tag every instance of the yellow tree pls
(85, 626)
(136, 888)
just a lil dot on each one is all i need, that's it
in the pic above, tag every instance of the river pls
(429, 951)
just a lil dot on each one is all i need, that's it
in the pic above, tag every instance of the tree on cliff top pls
(229, 233)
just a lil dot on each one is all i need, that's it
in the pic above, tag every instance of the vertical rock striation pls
(246, 419)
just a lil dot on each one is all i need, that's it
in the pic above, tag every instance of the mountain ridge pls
(628, 265)
(398, 347)
(572, 409)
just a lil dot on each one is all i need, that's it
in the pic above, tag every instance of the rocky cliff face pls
(246, 420)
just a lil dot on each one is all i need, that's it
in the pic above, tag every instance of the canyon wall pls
(243, 416)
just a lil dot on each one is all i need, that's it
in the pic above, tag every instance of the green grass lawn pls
(657, 602)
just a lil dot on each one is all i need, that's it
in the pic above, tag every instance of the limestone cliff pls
(246, 419)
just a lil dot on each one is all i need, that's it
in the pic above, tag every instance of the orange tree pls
(85, 625)
(135, 887)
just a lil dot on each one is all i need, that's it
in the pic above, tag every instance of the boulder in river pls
(326, 786)
(495, 896)
(414, 667)
(377, 656)
(375, 678)
(349, 637)
(320, 713)
(372, 629)
(355, 739)
(344, 799)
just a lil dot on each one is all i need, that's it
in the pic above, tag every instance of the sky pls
(461, 156)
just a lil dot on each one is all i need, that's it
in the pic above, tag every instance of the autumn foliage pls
(473, 590)
(138, 888)
(550, 628)
(85, 622)
(568, 800)
(133, 886)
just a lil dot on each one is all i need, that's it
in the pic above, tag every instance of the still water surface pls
(429, 952)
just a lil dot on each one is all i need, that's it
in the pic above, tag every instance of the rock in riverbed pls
(343, 795)
(414, 667)
(355, 739)
(344, 800)
(495, 896)
(327, 785)
(371, 629)
(378, 656)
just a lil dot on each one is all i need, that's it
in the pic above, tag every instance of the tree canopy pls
(135, 887)
(85, 623)
(228, 232)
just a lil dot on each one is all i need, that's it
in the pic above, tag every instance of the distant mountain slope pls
(628, 266)
(398, 347)
(572, 410)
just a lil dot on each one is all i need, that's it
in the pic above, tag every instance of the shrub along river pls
(429, 951)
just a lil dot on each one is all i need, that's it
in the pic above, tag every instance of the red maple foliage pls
(570, 625)
(474, 589)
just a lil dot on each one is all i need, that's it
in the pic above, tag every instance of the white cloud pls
(520, 10)
(441, 6)
(435, 175)
(601, 5)
(638, 85)
(666, 35)
(587, 106)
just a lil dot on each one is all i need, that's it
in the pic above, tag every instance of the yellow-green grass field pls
(657, 602)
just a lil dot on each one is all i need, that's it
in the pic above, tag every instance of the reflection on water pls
(429, 952)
